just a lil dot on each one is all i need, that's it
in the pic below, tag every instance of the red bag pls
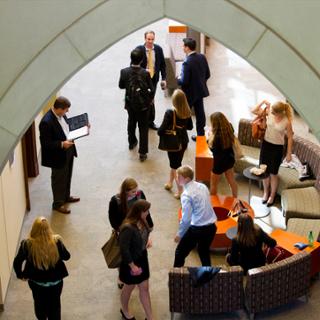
(259, 126)
(275, 254)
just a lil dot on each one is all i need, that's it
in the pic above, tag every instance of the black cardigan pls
(184, 124)
(131, 243)
(31, 272)
(116, 215)
(251, 257)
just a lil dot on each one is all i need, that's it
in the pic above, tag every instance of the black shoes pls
(194, 137)
(124, 317)
(270, 204)
(143, 157)
(153, 126)
(133, 145)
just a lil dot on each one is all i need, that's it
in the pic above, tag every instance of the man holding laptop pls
(57, 153)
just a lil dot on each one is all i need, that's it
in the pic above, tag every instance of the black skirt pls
(142, 262)
(223, 160)
(271, 155)
(175, 158)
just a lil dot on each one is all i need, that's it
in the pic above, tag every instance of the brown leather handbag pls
(259, 126)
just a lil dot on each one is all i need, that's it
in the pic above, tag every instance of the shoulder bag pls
(259, 126)
(111, 251)
(170, 141)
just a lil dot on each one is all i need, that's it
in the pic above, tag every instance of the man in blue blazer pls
(153, 61)
(57, 153)
(193, 81)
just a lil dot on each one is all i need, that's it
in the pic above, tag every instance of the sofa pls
(278, 283)
(302, 227)
(299, 199)
(265, 288)
(224, 293)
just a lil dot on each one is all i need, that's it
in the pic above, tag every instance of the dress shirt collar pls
(190, 53)
(149, 48)
(58, 117)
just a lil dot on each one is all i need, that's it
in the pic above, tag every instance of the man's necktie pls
(150, 63)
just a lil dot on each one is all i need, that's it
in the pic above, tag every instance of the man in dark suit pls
(137, 115)
(57, 153)
(153, 62)
(193, 81)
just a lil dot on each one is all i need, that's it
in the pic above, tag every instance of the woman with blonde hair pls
(279, 124)
(134, 268)
(221, 141)
(181, 111)
(43, 253)
(121, 203)
(247, 246)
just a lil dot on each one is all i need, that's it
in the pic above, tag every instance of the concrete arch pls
(45, 43)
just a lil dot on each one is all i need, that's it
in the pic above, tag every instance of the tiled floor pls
(90, 291)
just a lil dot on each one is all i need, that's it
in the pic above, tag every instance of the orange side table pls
(204, 160)
(287, 240)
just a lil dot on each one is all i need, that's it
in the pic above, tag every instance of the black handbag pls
(170, 141)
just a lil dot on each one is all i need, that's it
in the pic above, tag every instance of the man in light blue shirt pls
(197, 226)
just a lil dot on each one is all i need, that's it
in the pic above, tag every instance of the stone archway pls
(281, 49)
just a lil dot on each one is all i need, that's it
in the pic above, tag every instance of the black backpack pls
(139, 95)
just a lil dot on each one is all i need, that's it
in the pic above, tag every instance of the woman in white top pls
(279, 123)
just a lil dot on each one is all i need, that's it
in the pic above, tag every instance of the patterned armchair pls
(299, 199)
(276, 284)
(224, 293)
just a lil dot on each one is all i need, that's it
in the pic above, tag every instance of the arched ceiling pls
(43, 43)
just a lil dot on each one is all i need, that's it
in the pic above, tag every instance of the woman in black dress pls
(121, 203)
(221, 141)
(246, 248)
(43, 253)
(182, 113)
(134, 268)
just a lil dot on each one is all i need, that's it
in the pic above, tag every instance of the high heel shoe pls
(264, 200)
(270, 203)
(177, 196)
(124, 317)
(168, 186)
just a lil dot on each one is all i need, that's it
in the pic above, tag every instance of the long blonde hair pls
(42, 243)
(180, 104)
(282, 108)
(221, 130)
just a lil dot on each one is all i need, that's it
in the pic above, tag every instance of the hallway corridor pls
(90, 292)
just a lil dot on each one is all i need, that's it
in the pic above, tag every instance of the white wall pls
(12, 211)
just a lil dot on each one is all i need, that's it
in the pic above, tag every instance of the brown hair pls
(180, 104)
(247, 230)
(62, 103)
(222, 131)
(186, 172)
(134, 215)
(149, 31)
(283, 108)
(42, 244)
(127, 185)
